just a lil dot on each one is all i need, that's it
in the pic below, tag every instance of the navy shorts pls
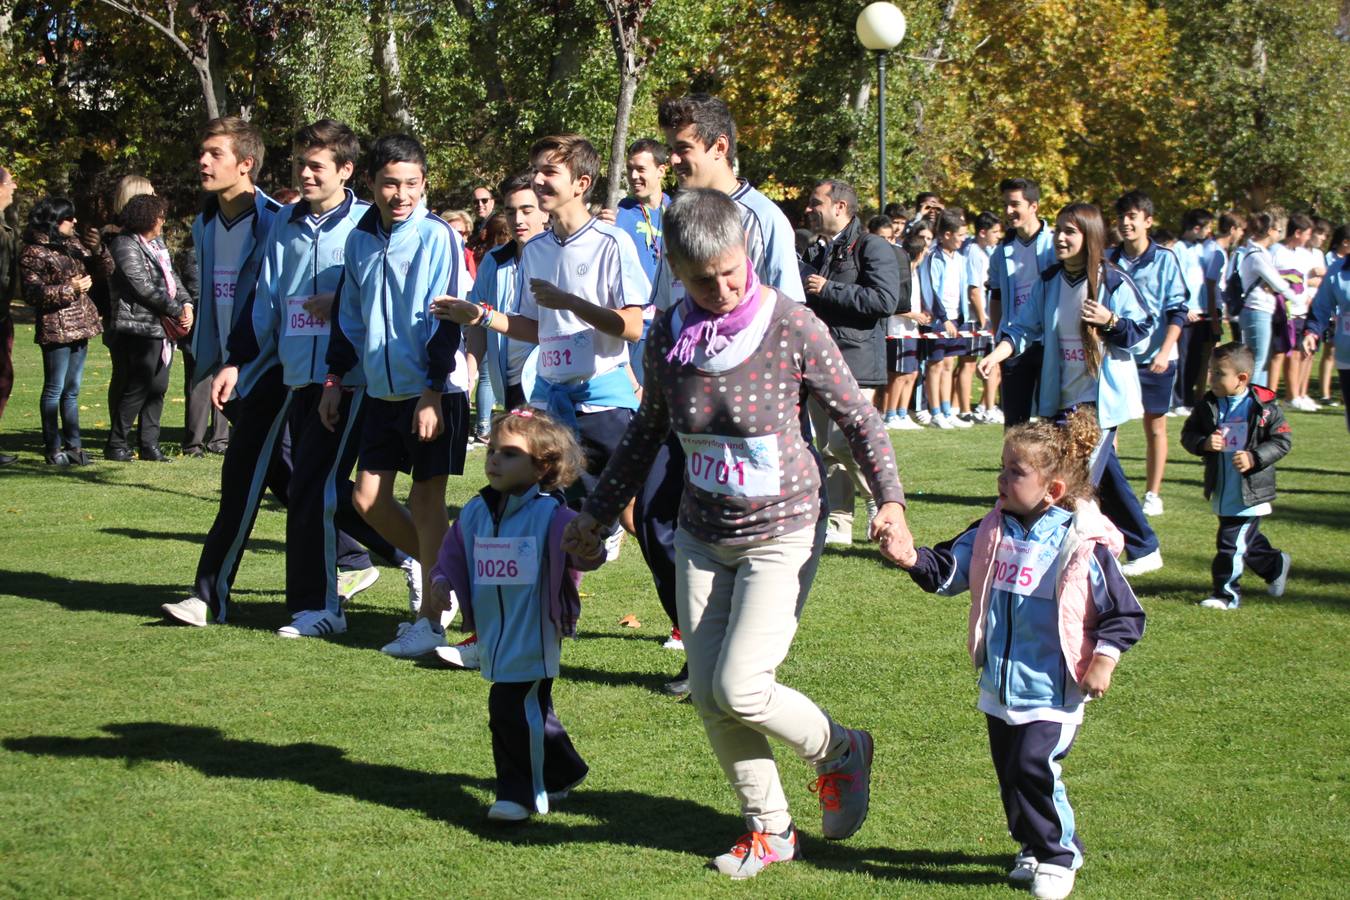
(1156, 390)
(943, 347)
(902, 355)
(389, 445)
(599, 434)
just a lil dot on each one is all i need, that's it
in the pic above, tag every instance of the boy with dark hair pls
(289, 320)
(640, 215)
(1156, 272)
(979, 250)
(1196, 226)
(1027, 250)
(927, 206)
(398, 258)
(1241, 432)
(229, 236)
(944, 280)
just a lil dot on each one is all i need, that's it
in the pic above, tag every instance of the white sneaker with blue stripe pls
(314, 623)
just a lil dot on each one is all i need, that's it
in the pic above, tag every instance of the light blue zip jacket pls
(383, 306)
(495, 286)
(1001, 279)
(934, 272)
(298, 260)
(1331, 308)
(206, 331)
(1118, 398)
(1156, 274)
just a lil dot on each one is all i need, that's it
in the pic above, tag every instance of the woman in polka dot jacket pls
(726, 372)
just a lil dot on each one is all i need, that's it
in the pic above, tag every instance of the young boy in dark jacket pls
(1240, 431)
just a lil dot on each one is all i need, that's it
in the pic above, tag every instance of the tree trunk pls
(389, 67)
(208, 82)
(618, 150)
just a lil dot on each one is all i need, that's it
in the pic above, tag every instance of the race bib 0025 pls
(1025, 568)
(733, 466)
(505, 560)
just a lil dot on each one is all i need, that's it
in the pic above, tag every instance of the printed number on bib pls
(1234, 436)
(222, 292)
(1024, 568)
(1344, 319)
(733, 466)
(300, 322)
(1019, 297)
(505, 560)
(1073, 352)
(562, 356)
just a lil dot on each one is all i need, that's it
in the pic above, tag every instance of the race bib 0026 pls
(300, 322)
(733, 466)
(505, 560)
(1025, 568)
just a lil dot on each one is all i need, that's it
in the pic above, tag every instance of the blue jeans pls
(1256, 335)
(62, 369)
(483, 401)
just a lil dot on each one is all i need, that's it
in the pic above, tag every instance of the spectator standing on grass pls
(904, 349)
(750, 527)
(853, 285)
(1260, 284)
(1338, 249)
(9, 283)
(1330, 315)
(145, 291)
(1046, 639)
(58, 272)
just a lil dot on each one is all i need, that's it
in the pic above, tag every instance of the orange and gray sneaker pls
(844, 787)
(756, 849)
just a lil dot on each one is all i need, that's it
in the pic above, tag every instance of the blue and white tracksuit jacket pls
(1157, 275)
(383, 305)
(1001, 281)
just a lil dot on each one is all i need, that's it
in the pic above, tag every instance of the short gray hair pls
(701, 225)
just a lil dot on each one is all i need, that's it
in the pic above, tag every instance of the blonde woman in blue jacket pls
(1091, 319)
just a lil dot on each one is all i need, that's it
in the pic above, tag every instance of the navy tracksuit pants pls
(1118, 502)
(1240, 543)
(1026, 758)
(321, 524)
(1021, 377)
(532, 752)
(257, 457)
(656, 514)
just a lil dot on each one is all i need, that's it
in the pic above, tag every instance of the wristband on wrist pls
(332, 381)
(486, 319)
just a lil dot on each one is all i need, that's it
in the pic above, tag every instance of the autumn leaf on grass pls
(630, 621)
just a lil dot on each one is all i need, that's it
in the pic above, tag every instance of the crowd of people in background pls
(698, 372)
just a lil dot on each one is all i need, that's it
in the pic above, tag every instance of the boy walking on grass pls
(1240, 431)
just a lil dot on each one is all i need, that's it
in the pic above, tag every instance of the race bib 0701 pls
(1025, 568)
(733, 466)
(300, 322)
(505, 560)
(562, 356)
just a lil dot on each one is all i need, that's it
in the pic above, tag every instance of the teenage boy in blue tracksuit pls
(397, 260)
(640, 215)
(1157, 274)
(288, 320)
(228, 236)
(1027, 250)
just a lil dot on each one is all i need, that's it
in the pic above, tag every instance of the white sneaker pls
(1309, 404)
(508, 811)
(463, 655)
(923, 417)
(961, 421)
(349, 584)
(994, 416)
(314, 623)
(560, 796)
(907, 424)
(1182, 410)
(412, 575)
(1276, 588)
(613, 545)
(943, 422)
(417, 639)
(838, 536)
(675, 641)
(191, 611)
(1152, 505)
(1052, 882)
(1215, 603)
(1023, 871)
(1149, 563)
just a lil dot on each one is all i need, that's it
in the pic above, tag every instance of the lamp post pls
(881, 27)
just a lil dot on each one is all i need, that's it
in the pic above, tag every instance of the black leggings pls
(143, 377)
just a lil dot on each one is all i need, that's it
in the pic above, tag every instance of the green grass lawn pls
(142, 760)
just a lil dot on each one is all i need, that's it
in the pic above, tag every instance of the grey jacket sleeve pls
(876, 294)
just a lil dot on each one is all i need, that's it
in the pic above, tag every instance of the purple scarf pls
(714, 331)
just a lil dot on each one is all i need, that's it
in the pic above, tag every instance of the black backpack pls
(1234, 297)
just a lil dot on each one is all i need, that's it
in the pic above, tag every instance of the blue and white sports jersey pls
(1156, 274)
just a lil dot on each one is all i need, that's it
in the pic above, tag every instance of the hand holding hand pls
(890, 528)
(583, 537)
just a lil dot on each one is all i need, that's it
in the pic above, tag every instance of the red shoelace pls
(827, 787)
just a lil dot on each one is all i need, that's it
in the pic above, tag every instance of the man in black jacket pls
(853, 284)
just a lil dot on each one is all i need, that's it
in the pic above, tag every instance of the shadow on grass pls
(624, 818)
(255, 545)
(368, 631)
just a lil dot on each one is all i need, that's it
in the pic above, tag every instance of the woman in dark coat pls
(145, 290)
(57, 271)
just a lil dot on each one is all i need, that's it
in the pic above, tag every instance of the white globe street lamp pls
(881, 28)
